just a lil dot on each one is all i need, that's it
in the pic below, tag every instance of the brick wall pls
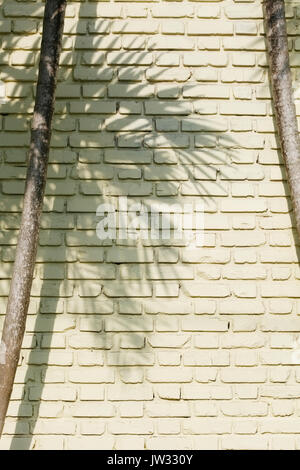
(154, 343)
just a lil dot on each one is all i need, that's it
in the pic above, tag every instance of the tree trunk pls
(19, 296)
(285, 113)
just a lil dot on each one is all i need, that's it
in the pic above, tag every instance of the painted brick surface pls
(154, 344)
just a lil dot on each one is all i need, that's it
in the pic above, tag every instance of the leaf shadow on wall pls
(196, 158)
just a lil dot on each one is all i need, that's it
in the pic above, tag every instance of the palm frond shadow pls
(196, 156)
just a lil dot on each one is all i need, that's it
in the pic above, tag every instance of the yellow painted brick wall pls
(152, 344)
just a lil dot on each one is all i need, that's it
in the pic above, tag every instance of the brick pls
(205, 307)
(167, 341)
(206, 443)
(127, 443)
(131, 91)
(97, 410)
(52, 393)
(131, 375)
(49, 443)
(178, 11)
(169, 375)
(90, 443)
(169, 272)
(103, 42)
(244, 375)
(130, 359)
(91, 375)
(102, 107)
(207, 426)
(245, 442)
(93, 73)
(129, 324)
(169, 307)
(118, 289)
(89, 427)
(97, 141)
(168, 443)
(205, 91)
(95, 58)
(203, 188)
(171, 409)
(169, 392)
(196, 392)
(170, 43)
(282, 324)
(243, 108)
(280, 306)
(211, 324)
(246, 27)
(89, 340)
(90, 271)
(279, 255)
(283, 442)
(274, 358)
(131, 409)
(25, 410)
(129, 255)
(198, 289)
(243, 340)
(243, 205)
(209, 27)
(246, 44)
(166, 107)
(202, 255)
(105, 11)
(163, 173)
(164, 141)
(242, 272)
(165, 91)
(129, 392)
(201, 124)
(128, 124)
(280, 392)
(173, 27)
(128, 157)
(166, 426)
(58, 426)
(90, 306)
(129, 426)
(281, 290)
(242, 307)
(244, 409)
(135, 26)
(53, 358)
(91, 392)
(280, 425)
(198, 59)
(199, 358)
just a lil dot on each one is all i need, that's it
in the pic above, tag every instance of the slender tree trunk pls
(285, 113)
(19, 296)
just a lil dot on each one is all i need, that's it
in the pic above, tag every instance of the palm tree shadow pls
(190, 155)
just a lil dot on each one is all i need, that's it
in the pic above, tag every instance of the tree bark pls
(285, 112)
(20, 288)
